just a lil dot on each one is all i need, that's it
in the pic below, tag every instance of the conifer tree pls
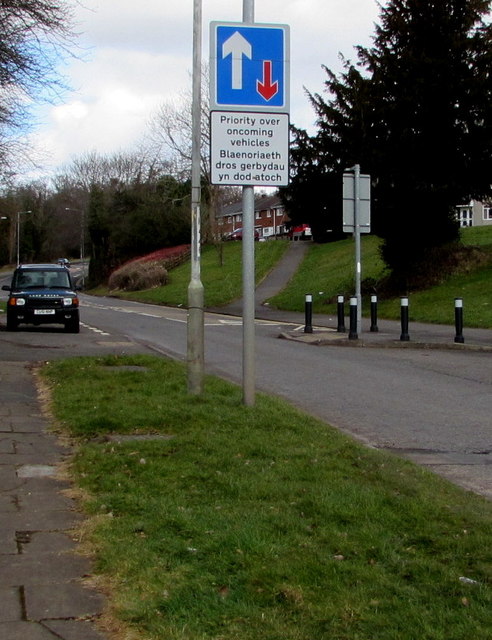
(416, 114)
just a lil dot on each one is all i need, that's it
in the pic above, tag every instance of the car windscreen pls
(41, 279)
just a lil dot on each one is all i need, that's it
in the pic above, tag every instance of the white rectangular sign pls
(249, 149)
(349, 203)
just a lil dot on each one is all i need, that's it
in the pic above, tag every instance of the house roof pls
(262, 203)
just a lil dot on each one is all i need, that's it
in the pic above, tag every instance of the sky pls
(133, 57)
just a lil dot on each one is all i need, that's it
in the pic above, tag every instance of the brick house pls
(270, 217)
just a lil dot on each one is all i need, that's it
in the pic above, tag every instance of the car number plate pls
(44, 312)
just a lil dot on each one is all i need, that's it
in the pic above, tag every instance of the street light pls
(19, 213)
(82, 230)
(4, 218)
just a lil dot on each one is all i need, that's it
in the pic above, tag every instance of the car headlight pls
(17, 302)
(67, 302)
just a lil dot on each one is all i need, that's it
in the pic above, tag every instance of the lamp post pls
(195, 325)
(19, 213)
(82, 230)
(4, 218)
(82, 241)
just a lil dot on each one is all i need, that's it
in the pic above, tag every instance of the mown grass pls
(262, 522)
(221, 275)
(328, 271)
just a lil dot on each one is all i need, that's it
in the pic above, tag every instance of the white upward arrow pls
(237, 46)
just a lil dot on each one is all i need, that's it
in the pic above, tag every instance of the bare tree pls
(170, 132)
(122, 168)
(33, 36)
(170, 135)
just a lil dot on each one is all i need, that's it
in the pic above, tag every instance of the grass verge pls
(263, 522)
(328, 270)
(221, 273)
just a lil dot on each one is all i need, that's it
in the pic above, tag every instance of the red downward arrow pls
(267, 89)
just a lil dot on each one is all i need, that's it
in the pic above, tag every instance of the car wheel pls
(72, 326)
(12, 323)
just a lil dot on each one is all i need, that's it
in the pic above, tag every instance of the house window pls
(269, 214)
(487, 213)
(257, 215)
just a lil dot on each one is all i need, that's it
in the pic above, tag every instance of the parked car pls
(237, 234)
(300, 232)
(65, 262)
(42, 294)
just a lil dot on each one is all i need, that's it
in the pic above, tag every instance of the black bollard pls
(404, 337)
(308, 307)
(341, 314)
(353, 319)
(458, 320)
(374, 314)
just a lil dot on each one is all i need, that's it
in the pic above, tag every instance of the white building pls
(474, 214)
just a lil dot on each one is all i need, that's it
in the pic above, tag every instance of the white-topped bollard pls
(458, 320)
(404, 337)
(374, 314)
(353, 335)
(308, 312)
(340, 314)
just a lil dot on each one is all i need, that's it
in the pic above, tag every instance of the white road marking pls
(94, 329)
(220, 322)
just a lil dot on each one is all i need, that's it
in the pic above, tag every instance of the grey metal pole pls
(17, 234)
(248, 254)
(357, 246)
(82, 248)
(82, 236)
(248, 297)
(195, 333)
(248, 11)
(19, 213)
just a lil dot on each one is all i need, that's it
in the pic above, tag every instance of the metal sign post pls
(249, 370)
(357, 220)
(249, 146)
(358, 268)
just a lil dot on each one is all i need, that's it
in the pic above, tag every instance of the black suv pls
(42, 294)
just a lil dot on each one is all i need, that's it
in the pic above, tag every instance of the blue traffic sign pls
(249, 66)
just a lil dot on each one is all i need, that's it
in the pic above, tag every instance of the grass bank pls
(328, 270)
(262, 522)
(221, 274)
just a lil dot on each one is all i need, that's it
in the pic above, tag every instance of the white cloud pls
(135, 56)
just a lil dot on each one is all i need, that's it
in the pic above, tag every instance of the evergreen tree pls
(417, 117)
(314, 194)
(431, 126)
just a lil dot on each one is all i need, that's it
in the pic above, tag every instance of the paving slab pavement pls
(43, 594)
